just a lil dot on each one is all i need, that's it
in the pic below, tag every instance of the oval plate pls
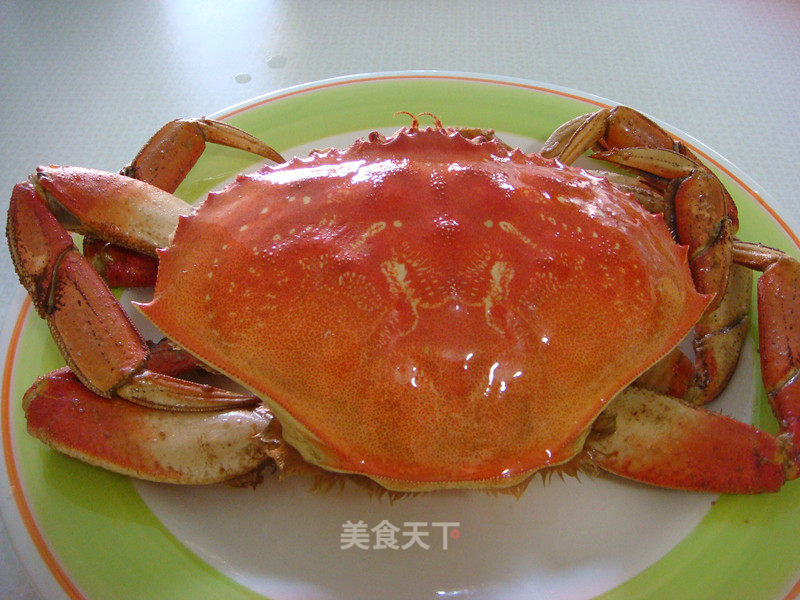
(85, 533)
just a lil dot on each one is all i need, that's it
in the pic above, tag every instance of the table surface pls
(87, 83)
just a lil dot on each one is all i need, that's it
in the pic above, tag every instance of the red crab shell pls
(427, 310)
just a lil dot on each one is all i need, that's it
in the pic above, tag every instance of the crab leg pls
(659, 440)
(118, 266)
(113, 207)
(167, 359)
(164, 162)
(702, 211)
(92, 331)
(98, 341)
(653, 438)
(173, 150)
(702, 215)
(705, 216)
(618, 127)
(158, 445)
(718, 338)
(778, 315)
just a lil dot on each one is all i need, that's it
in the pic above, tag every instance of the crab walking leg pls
(702, 211)
(779, 333)
(655, 439)
(702, 215)
(173, 150)
(660, 440)
(158, 445)
(95, 336)
(618, 127)
(118, 266)
(705, 216)
(718, 339)
(167, 359)
(164, 162)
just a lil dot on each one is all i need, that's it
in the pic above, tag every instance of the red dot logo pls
(455, 534)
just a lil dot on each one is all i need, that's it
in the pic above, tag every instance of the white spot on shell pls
(398, 223)
(488, 223)
(306, 199)
(243, 228)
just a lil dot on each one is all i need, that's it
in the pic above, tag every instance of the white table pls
(87, 84)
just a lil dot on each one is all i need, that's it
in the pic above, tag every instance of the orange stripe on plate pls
(11, 466)
(323, 86)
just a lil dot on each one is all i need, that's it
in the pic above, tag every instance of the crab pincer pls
(102, 348)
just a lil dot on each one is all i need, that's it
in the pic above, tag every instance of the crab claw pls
(113, 207)
(778, 313)
(163, 162)
(663, 441)
(157, 445)
(92, 331)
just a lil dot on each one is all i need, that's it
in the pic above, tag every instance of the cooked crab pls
(429, 310)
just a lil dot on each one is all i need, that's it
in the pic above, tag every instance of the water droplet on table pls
(242, 77)
(276, 62)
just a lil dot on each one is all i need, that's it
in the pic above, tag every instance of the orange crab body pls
(427, 310)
